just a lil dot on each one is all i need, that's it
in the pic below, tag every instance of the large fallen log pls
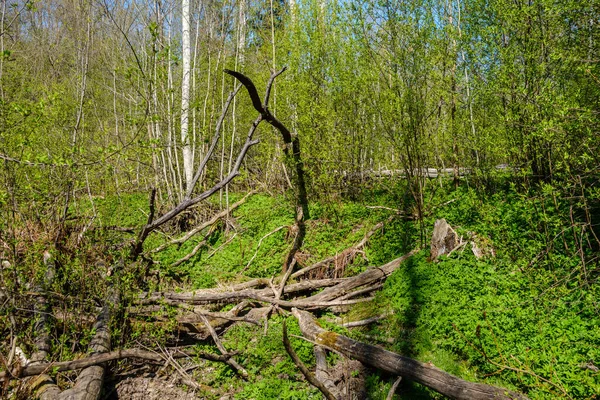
(428, 375)
(89, 382)
(45, 387)
(205, 296)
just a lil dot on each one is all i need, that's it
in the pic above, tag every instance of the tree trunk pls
(425, 374)
(188, 162)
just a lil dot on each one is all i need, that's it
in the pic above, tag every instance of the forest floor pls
(524, 317)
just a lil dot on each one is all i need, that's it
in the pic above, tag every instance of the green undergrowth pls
(526, 319)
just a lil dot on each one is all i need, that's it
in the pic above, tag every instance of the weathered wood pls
(426, 374)
(294, 160)
(307, 374)
(322, 374)
(365, 278)
(393, 389)
(102, 358)
(204, 296)
(443, 240)
(44, 386)
(354, 248)
(89, 382)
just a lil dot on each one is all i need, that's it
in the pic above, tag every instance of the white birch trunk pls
(188, 162)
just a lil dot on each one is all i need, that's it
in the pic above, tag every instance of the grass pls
(527, 319)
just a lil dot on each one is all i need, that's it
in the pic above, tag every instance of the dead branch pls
(352, 249)
(232, 297)
(426, 374)
(206, 296)
(364, 322)
(99, 359)
(204, 225)
(360, 292)
(365, 278)
(260, 243)
(307, 374)
(215, 251)
(321, 300)
(295, 160)
(393, 389)
(188, 200)
(232, 363)
(195, 250)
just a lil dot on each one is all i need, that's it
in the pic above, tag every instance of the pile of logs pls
(253, 300)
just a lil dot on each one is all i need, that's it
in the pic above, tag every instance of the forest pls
(301, 199)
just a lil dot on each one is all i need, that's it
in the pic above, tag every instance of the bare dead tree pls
(293, 160)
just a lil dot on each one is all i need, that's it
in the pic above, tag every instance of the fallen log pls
(44, 386)
(365, 278)
(425, 374)
(205, 296)
(89, 382)
(102, 358)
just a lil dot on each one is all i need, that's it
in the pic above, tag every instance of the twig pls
(355, 247)
(307, 374)
(359, 292)
(364, 322)
(260, 243)
(234, 364)
(204, 225)
(212, 253)
(392, 391)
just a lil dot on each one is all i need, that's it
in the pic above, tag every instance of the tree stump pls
(443, 240)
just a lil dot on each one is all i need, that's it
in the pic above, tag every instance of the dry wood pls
(194, 251)
(102, 358)
(294, 160)
(426, 374)
(444, 239)
(45, 386)
(393, 389)
(188, 200)
(217, 319)
(260, 243)
(365, 278)
(234, 364)
(355, 293)
(89, 382)
(232, 297)
(322, 373)
(355, 248)
(205, 296)
(307, 374)
(204, 225)
(364, 322)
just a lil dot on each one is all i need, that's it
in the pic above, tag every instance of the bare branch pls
(307, 374)
(98, 359)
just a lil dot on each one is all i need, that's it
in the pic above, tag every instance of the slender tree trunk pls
(188, 162)
(2, 19)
